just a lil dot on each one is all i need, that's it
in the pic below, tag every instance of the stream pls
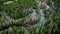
(41, 19)
(41, 13)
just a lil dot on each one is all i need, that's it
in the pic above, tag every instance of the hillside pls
(21, 17)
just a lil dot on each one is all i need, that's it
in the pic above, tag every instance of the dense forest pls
(21, 17)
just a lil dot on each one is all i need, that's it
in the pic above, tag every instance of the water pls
(41, 20)
(41, 16)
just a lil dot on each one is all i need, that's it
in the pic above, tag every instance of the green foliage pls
(52, 25)
(17, 9)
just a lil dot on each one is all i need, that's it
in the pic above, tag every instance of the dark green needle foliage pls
(19, 9)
